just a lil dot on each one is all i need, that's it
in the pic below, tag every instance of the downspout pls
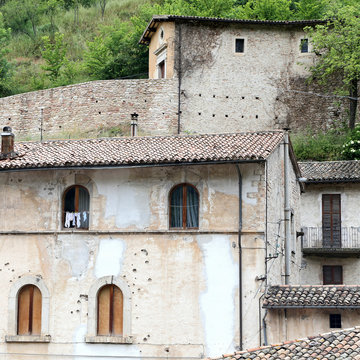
(287, 208)
(240, 260)
(179, 82)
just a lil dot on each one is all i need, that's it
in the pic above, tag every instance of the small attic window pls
(239, 45)
(304, 46)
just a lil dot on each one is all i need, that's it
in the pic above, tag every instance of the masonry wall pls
(184, 284)
(262, 88)
(92, 106)
(302, 323)
(311, 216)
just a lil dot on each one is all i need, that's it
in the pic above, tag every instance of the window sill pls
(28, 338)
(100, 339)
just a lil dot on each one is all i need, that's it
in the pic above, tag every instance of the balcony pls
(312, 242)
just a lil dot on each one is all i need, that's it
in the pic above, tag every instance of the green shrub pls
(320, 146)
(351, 148)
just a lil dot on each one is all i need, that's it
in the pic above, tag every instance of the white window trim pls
(234, 45)
(13, 309)
(92, 336)
(161, 56)
(309, 47)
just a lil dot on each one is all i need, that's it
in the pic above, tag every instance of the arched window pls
(184, 207)
(110, 305)
(76, 203)
(29, 311)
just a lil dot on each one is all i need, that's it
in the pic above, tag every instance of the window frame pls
(92, 336)
(335, 319)
(243, 45)
(184, 209)
(331, 241)
(12, 335)
(304, 41)
(76, 186)
(333, 268)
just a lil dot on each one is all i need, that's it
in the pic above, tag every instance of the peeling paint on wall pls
(217, 302)
(102, 351)
(109, 259)
(76, 252)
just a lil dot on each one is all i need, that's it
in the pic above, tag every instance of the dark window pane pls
(239, 45)
(304, 45)
(332, 275)
(176, 207)
(335, 321)
(192, 218)
(76, 208)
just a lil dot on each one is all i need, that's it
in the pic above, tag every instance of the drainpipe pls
(287, 208)
(179, 82)
(240, 260)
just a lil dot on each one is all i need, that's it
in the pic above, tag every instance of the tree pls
(337, 47)
(54, 54)
(102, 4)
(4, 64)
(266, 10)
(23, 16)
(310, 9)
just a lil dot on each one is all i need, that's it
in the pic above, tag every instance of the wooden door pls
(331, 220)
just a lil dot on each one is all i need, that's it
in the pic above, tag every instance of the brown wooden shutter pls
(110, 311)
(29, 311)
(331, 218)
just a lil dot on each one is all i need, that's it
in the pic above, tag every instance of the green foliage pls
(338, 48)
(54, 54)
(310, 9)
(266, 10)
(351, 148)
(4, 64)
(319, 146)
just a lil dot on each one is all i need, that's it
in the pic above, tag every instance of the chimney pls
(134, 124)
(7, 144)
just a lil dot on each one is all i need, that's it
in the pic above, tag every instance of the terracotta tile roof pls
(312, 296)
(134, 151)
(341, 344)
(330, 171)
(152, 25)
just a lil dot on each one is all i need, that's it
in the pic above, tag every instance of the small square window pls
(332, 275)
(304, 45)
(239, 45)
(335, 321)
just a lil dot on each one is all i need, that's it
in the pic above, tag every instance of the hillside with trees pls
(50, 43)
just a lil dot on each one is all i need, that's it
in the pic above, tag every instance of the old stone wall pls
(262, 88)
(181, 282)
(93, 106)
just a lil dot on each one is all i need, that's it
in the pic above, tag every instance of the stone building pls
(206, 76)
(141, 246)
(328, 294)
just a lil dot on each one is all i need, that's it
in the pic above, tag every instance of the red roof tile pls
(134, 151)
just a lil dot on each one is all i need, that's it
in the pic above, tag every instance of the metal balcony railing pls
(313, 240)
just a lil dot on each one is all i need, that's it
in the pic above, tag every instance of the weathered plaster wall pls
(93, 106)
(303, 323)
(311, 216)
(167, 43)
(181, 282)
(255, 90)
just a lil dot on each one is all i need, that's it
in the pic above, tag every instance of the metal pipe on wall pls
(240, 259)
(287, 209)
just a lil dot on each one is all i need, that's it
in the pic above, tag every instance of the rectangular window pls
(331, 220)
(239, 45)
(304, 45)
(332, 275)
(335, 321)
(161, 69)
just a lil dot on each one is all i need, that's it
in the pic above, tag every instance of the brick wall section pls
(93, 105)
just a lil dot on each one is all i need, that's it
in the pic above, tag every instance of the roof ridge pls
(132, 138)
(288, 342)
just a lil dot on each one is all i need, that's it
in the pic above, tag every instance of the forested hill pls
(48, 43)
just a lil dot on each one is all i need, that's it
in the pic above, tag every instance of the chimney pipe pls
(134, 124)
(7, 144)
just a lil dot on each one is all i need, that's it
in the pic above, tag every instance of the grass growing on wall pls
(320, 146)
